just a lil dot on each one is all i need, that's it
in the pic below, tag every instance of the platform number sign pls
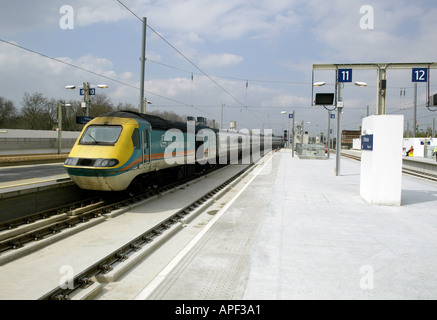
(91, 91)
(344, 75)
(420, 75)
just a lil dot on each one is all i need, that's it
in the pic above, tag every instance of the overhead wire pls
(191, 62)
(89, 71)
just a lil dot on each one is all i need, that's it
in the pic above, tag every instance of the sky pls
(254, 57)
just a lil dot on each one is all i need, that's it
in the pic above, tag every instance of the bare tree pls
(100, 104)
(167, 115)
(39, 112)
(8, 112)
(126, 106)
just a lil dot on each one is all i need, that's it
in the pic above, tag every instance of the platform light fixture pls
(361, 84)
(319, 84)
(86, 87)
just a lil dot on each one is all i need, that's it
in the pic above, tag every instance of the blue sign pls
(420, 75)
(290, 116)
(367, 142)
(83, 120)
(344, 75)
(332, 115)
(91, 92)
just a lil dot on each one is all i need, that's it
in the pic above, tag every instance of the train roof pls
(156, 122)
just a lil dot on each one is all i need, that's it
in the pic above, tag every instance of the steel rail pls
(416, 173)
(84, 279)
(108, 205)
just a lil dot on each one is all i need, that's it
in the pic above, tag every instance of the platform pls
(298, 231)
(25, 177)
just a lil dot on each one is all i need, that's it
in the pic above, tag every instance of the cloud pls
(24, 71)
(220, 60)
(398, 33)
(230, 19)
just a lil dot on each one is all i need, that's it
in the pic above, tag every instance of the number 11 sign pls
(344, 75)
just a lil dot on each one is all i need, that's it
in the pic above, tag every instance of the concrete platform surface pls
(300, 232)
(15, 178)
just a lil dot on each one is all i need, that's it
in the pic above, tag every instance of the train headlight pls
(71, 161)
(86, 162)
(105, 163)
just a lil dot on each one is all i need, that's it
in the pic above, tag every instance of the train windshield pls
(101, 135)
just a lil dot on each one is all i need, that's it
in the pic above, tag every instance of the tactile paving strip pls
(217, 267)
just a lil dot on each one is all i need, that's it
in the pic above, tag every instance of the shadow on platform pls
(410, 197)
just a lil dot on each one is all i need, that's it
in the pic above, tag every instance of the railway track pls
(144, 242)
(15, 234)
(409, 171)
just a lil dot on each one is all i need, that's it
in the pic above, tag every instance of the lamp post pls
(288, 131)
(86, 93)
(60, 105)
(290, 116)
(294, 136)
(339, 107)
(144, 104)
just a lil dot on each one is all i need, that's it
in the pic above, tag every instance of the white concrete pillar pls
(381, 159)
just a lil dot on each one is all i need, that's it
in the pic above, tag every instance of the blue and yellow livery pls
(115, 148)
(123, 148)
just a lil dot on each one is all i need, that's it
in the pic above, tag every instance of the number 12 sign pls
(344, 75)
(420, 75)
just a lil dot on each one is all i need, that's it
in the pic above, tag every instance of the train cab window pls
(136, 139)
(101, 135)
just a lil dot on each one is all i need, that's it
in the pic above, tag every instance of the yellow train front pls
(116, 148)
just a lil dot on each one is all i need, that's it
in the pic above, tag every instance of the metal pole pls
(86, 99)
(143, 67)
(59, 128)
(223, 116)
(294, 136)
(329, 134)
(289, 133)
(433, 128)
(338, 143)
(382, 83)
(415, 110)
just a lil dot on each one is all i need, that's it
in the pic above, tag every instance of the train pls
(124, 150)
